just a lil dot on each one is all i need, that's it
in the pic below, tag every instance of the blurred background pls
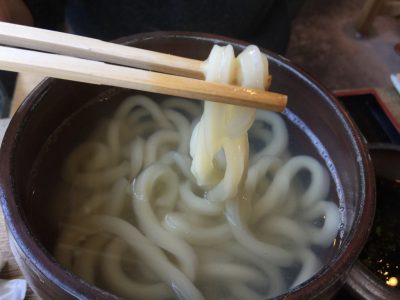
(324, 42)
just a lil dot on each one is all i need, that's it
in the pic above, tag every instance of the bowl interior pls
(311, 109)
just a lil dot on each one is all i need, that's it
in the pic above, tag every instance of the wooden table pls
(26, 82)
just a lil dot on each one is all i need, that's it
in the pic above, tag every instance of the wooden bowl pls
(53, 101)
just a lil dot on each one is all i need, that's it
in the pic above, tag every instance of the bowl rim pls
(45, 264)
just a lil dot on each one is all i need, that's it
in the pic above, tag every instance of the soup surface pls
(126, 214)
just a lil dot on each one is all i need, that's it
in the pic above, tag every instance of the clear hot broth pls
(53, 209)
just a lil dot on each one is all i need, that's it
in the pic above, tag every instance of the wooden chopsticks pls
(88, 65)
(93, 49)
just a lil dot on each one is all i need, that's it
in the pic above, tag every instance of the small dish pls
(376, 273)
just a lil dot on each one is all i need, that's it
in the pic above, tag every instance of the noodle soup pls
(129, 217)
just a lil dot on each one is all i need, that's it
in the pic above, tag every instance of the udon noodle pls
(157, 212)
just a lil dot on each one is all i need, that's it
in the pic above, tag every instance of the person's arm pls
(15, 11)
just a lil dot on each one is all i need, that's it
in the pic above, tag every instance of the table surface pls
(26, 82)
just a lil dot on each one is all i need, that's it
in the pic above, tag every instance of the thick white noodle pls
(142, 101)
(118, 281)
(199, 205)
(85, 264)
(178, 224)
(116, 198)
(272, 274)
(136, 156)
(143, 189)
(183, 127)
(229, 272)
(153, 256)
(274, 254)
(181, 161)
(286, 229)
(278, 191)
(207, 136)
(224, 127)
(324, 235)
(310, 265)
(276, 142)
(257, 173)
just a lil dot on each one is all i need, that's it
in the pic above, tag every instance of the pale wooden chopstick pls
(93, 49)
(78, 69)
(93, 71)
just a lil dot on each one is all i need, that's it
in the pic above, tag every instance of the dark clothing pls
(262, 22)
